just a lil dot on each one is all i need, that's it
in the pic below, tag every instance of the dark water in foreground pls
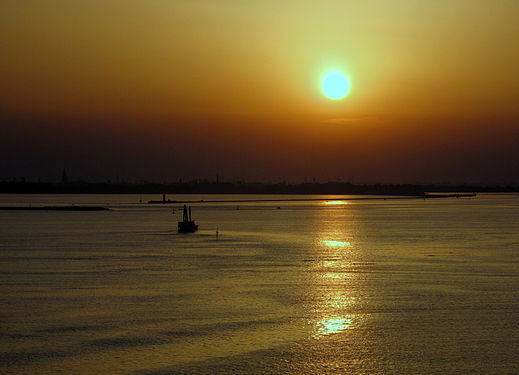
(359, 287)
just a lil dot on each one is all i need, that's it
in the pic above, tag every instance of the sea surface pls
(338, 286)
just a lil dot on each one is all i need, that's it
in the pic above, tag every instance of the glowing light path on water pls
(336, 243)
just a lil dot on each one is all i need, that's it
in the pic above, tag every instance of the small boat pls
(187, 225)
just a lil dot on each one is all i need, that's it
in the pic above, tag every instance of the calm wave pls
(360, 287)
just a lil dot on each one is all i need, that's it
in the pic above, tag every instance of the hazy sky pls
(165, 89)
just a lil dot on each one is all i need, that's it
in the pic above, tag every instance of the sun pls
(335, 85)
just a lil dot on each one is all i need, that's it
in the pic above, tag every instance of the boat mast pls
(185, 216)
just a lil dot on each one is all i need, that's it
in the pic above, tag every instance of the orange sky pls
(429, 78)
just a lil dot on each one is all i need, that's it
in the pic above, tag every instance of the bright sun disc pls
(335, 85)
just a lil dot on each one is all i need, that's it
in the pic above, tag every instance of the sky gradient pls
(162, 90)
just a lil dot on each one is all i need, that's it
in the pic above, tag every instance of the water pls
(358, 287)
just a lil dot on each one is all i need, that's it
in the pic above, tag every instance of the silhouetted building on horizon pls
(64, 177)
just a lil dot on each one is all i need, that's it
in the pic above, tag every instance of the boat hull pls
(187, 226)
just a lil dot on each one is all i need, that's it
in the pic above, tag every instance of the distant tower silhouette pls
(64, 177)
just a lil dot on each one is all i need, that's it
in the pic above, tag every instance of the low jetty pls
(54, 208)
(425, 196)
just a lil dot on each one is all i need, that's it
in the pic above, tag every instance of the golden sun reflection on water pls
(335, 243)
(340, 300)
(332, 325)
(337, 292)
(338, 275)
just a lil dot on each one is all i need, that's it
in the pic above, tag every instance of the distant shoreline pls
(54, 208)
(427, 196)
(207, 187)
(170, 202)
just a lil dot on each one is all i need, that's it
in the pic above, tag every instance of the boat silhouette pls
(187, 225)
